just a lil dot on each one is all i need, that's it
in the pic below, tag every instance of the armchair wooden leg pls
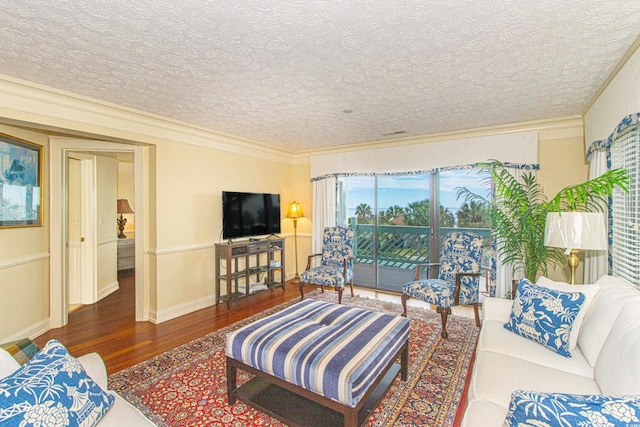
(301, 291)
(322, 288)
(444, 313)
(339, 295)
(351, 284)
(475, 309)
(404, 299)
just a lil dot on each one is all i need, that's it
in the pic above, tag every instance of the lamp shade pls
(295, 211)
(576, 230)
(123, 207)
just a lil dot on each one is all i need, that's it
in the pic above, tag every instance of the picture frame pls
(21, 187)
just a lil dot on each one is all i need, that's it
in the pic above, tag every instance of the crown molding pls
(59, 112)
(557, 128)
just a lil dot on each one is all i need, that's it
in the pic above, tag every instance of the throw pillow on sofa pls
(52, 389)
(544, 315)
(533, 408)
(589, 291)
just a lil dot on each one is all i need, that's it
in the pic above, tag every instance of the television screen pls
(249, 214)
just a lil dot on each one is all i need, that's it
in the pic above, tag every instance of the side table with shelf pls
(248, 267)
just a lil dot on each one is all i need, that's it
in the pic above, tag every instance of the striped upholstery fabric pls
(333, 350)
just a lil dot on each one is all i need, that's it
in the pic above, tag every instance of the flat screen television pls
(249, 214)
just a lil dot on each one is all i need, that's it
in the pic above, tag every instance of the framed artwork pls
(20, 183)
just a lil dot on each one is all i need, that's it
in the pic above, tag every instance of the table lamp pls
(123, 208)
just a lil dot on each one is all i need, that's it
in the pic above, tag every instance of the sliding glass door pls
(461, 215)
(399, 219)
(402, 232)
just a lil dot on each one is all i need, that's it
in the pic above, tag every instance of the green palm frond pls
(518, 213)
(591, 195)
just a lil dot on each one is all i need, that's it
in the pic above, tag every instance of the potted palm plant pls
(518, 212)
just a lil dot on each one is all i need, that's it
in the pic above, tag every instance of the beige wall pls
(620, 98)
(189, 214)
(24, 263)
(562, 163)
(301, 192)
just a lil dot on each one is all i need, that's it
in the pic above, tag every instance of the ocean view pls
(402, 190)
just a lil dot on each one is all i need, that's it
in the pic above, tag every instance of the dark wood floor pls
(109, 327)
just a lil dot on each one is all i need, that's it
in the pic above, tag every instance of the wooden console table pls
(248, 267)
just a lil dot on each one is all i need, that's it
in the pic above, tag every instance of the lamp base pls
(573, 262)
(296, 280)
(121, 222)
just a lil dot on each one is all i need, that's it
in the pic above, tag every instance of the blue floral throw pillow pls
(544, 315)
(529, 408)
(53, 390)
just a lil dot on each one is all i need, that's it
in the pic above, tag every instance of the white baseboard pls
(30, 332)
(108, 290)
(159, 316)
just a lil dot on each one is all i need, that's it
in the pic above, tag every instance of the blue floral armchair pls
(458, 279)
(336, 267)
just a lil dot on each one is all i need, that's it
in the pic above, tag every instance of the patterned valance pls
(605, 144)
(427, 171)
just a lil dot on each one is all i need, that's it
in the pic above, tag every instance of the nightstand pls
(126, 254)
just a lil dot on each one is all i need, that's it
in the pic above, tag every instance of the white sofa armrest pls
(94, 365)
(497, 309)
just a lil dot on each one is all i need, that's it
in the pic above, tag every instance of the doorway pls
(60, 149)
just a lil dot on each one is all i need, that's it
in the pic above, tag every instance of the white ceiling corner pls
(283, 73)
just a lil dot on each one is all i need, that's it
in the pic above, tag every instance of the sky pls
(402, 189)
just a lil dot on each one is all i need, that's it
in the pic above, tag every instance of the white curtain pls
(324, 209)
(504, 271)
(595, 262)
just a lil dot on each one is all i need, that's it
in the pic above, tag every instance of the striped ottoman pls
(334, 359)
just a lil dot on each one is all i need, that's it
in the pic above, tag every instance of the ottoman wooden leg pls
(351, 418)
(231, 383)
(404, 363)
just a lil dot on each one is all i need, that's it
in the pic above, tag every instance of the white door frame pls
(59, 148)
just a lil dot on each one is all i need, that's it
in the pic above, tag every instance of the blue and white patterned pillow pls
(545, 315)
(52, 389)
(530, 408)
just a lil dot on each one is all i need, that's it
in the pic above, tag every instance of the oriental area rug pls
(186, 386)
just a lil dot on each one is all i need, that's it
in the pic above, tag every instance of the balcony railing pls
(402, 246)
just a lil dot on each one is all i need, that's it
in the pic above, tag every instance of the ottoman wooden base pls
(296, 406)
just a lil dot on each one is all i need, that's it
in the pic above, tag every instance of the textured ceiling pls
(283, 72)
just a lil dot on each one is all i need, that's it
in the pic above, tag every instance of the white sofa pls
(122, 413)
(606, 360)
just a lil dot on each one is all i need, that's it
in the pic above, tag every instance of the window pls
(625, 209)
(393, 220)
